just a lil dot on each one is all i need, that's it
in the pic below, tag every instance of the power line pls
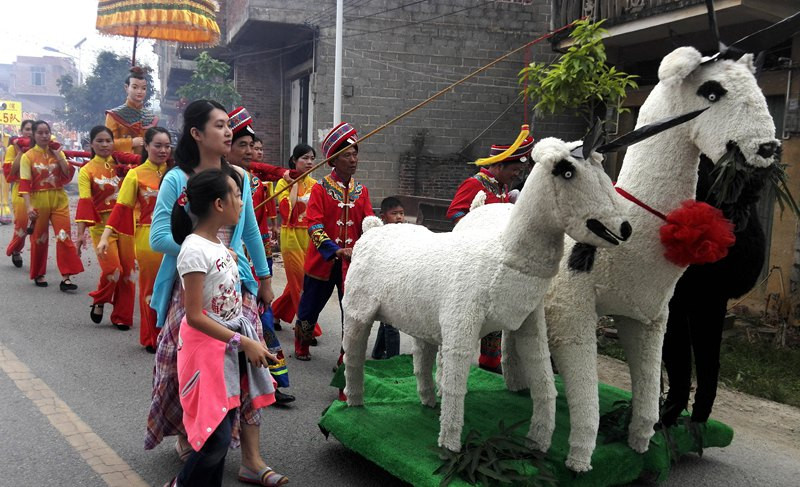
(409, 24)
(376, 13)
(492, 124)
(360, 53)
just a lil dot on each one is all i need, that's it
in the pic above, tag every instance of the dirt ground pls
(776, 423)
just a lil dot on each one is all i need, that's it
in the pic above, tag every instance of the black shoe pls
(152, 349)
(40, 282)
(67, 285)
(281, 398)
(96, 317)
(277, 325)
(121, 327)
(16, 259)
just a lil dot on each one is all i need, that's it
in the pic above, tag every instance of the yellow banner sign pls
(10, 112)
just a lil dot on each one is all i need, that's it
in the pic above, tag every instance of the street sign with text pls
(10, 112)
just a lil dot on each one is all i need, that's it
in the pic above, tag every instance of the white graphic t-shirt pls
(221, 287)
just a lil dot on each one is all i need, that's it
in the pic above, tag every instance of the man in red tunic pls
(336, 208)
(494, 179)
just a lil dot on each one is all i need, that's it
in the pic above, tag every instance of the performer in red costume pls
(493, 179)
(336, 208)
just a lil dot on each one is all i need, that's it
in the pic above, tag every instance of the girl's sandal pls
(266, 477)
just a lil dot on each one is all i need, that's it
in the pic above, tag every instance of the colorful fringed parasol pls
(191, 22)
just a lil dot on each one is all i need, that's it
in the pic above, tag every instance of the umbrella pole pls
(135, 41)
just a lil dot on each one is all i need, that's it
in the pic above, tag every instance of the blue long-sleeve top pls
(246, 231)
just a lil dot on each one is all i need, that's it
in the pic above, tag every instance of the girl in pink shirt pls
(219, 352)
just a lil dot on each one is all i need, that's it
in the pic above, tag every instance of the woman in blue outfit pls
(205, 140)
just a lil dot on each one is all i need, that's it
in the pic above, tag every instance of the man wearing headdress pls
(131, 120)
(496, 175)
(337, 206)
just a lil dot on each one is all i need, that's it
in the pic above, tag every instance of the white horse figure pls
(635, 282)
(450, 289)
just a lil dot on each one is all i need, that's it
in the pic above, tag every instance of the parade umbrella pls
(190, 22)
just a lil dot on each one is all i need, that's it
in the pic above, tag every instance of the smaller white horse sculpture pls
(450, 289)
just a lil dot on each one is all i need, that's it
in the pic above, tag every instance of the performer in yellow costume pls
(11, 173)
(130, 121)
(138, 192)
(98, 185)
(294, 235)
(43, 172)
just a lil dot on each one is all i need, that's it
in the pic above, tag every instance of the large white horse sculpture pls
(635, 282)
(450, 289)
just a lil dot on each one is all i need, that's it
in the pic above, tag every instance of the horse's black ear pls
(592, 139)
(648, 131)
(761, 58)
(763, 39)
(712, 25)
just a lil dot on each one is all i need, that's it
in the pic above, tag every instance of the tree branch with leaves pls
(210, 81)
(580, 79)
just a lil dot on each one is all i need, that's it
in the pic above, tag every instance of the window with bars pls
(37, 75)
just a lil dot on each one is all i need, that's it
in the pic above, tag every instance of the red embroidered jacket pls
(260, 194)
(482, 181)
(334, 219)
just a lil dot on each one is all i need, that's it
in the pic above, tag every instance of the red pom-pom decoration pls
(696, 233)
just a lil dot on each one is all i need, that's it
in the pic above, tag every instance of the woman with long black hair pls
(205, 140)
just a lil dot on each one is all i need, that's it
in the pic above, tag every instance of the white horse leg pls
(530, 357)
(571, 330)
(458, 344)
(356, 335)
(424, 356)
(642, 343)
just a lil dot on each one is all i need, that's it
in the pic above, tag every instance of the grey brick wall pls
(390, 71)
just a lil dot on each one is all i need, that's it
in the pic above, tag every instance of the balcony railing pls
(615, 11)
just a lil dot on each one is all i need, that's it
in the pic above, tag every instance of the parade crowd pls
(197, 217)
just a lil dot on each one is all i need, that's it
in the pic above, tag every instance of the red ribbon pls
(633, 199)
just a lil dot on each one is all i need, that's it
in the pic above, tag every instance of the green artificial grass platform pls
(396, 432)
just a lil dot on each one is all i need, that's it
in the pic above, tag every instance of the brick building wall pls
(394, 60)
(260, 85)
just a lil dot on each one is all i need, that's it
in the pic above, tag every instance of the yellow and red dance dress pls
(42, 178)
(17, 203)
(98, 185)
(138, 192)
(294, 243)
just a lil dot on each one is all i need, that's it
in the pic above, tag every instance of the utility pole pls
(337, 69)
(78, 46)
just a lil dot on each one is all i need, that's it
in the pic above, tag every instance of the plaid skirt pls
(166, 415)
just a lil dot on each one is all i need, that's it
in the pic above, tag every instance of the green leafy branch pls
(580, 79)
(503, 458)
(210, 80)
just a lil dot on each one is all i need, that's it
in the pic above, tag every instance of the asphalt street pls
(104, 377)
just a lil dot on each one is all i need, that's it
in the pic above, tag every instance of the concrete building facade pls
(32, 80)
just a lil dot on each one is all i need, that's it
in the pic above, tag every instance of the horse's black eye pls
(564, 168)
(711, 91)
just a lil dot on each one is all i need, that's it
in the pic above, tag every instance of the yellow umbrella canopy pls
(185, 21)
